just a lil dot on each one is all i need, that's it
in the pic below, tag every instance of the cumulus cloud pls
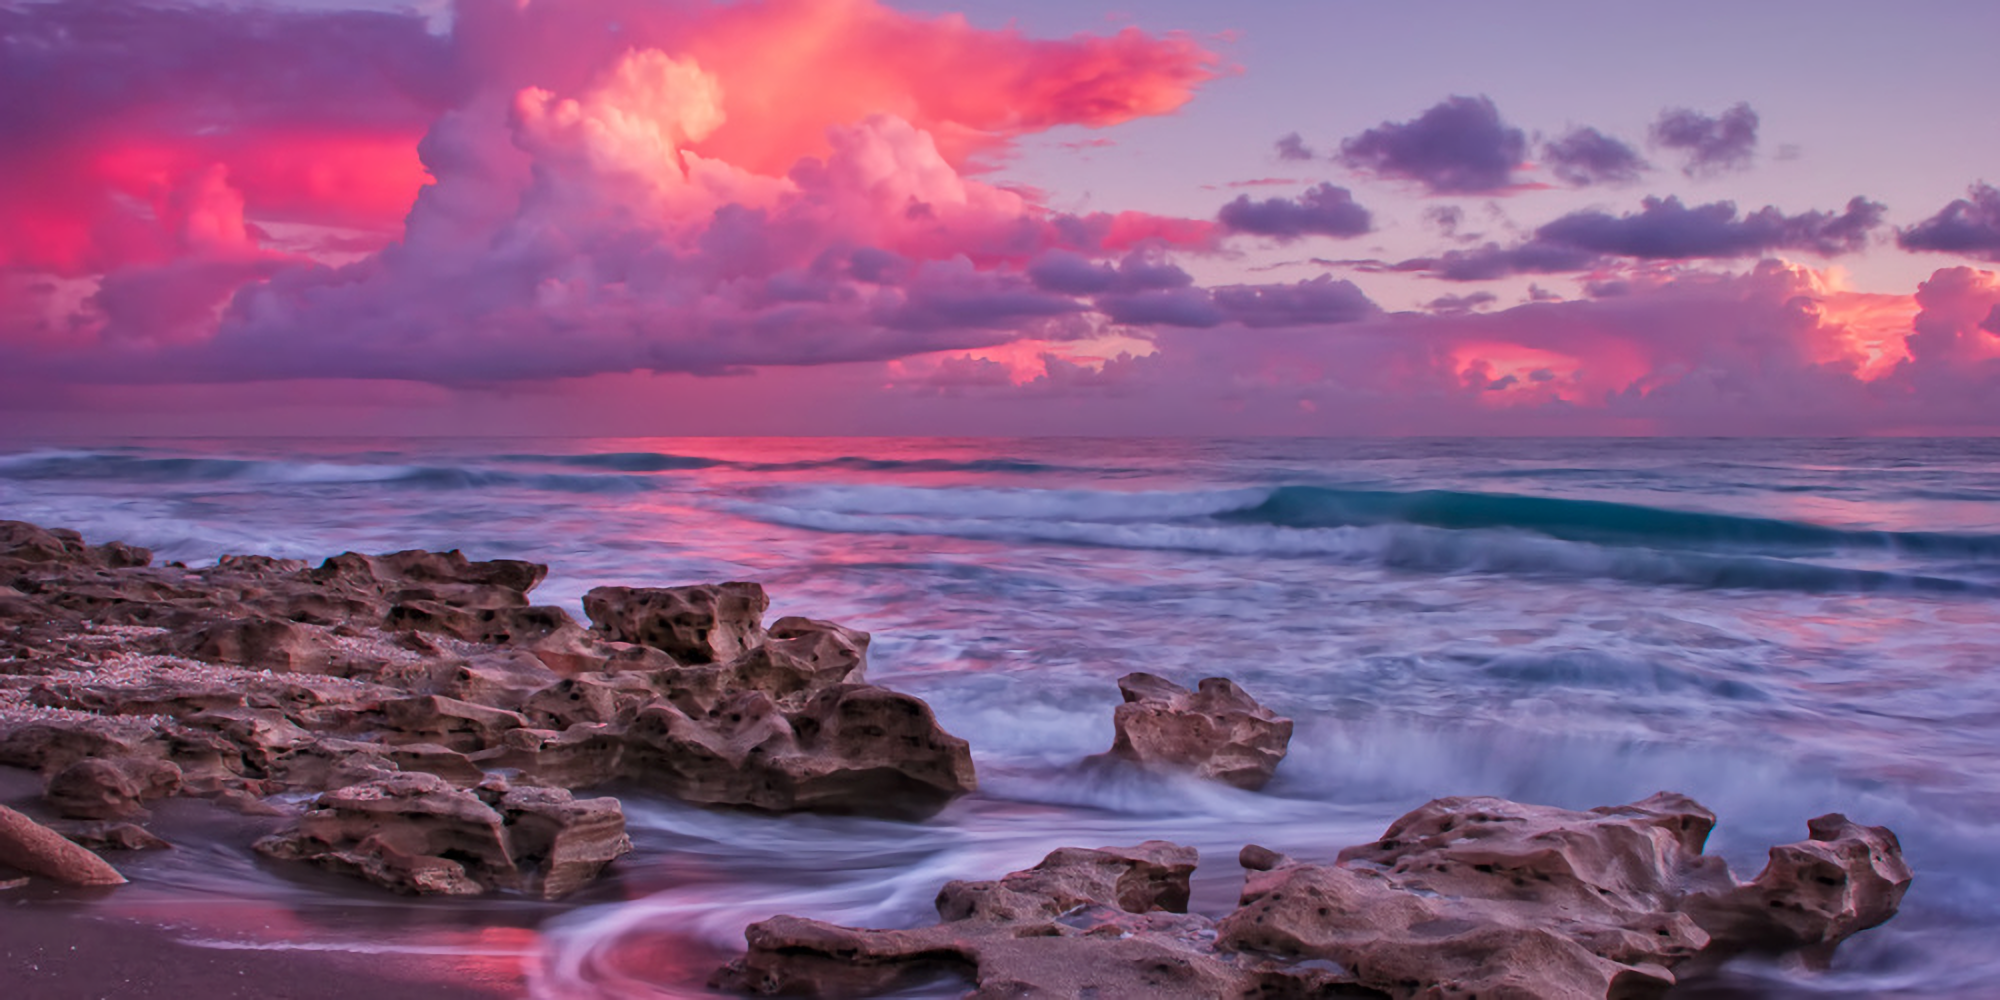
(1459, 146)
(1968, 225)
(1662, 229)
(1584, 156)
(1711, 144)
(1323, 210)
(616, 185)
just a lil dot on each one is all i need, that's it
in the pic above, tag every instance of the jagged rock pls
(1461, 898)
(580, 756)
(854, 748)
(801, 658)
(564, 842)
(262, 733)
(709, 623)
(1215, 731)
(449, 722)
(102, 835)
(262, 643)
(1103, 924)
(417, 833)
(52, 744)
(1812, 895)
(38, 850)
(150, 697)
(110, 788)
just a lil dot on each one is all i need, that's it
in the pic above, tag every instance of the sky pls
(688, 217)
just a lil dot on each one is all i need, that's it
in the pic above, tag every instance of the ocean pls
(1779, 628)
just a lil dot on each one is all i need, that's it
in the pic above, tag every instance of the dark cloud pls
(1314, 301)
(1585, 156)
(1187, 307)
(1456, 147)
(1293, 147)
(1323, 210)
(1453, 305)
(1071, 273)
(1712, 144)
(1447, 219)
(1969, 225)
(1495, 261)
(1663, 229)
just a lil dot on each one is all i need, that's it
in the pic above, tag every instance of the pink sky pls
(836, 216)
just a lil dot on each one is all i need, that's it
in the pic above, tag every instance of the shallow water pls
(1778, 628)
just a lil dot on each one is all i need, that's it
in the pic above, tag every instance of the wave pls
(1598, 521)
(1403, 531)
(650, 461)
(64, 465)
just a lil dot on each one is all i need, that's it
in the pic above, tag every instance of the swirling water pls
(1778, 628)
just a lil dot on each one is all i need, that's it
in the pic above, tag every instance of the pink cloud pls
(616, 185)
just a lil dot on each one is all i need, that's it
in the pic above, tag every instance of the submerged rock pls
(1215, 731)
(1464, 897)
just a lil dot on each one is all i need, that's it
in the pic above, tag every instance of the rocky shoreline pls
(413, 720)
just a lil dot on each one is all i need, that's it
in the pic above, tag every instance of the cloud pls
(1323, 210)
(1665, 229)
(1459, 146)
(1291, 146)
(1458, 304)
(1662, 229)
(1585, 156)
(615, 185)
(1321, 301)
(1712, 145)
(1968, 225)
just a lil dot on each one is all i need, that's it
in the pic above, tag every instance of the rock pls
(416, 833)
(1812, 895)
(260, 643)
(449, 722)
(111, 787)
(563, 843)
(801, 658)
(710, 623)
(1215, 731)
(101, 835)
(55, 743)
(578, 757)
(1103, 924)
(1464, 897)
(855, 748)
(38, 850)
(263, 734)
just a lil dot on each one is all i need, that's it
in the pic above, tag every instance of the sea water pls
(1779, 628)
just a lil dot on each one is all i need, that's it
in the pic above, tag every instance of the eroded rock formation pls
(1215, 731)
(1464, 897)
(404, 689)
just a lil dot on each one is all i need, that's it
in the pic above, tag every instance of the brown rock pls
(416, 833)
(710, 623)
(102, 835)
(561, 843)
(111, 787)
(1811, 896)
(38, 850)
(1461, 898)
(52, 744)
(1102, 924)
(854, 748)
(1215, 731)
(449, 722)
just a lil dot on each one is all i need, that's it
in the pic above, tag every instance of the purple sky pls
(839, 216)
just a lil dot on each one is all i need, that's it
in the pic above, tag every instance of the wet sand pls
(61, 953)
